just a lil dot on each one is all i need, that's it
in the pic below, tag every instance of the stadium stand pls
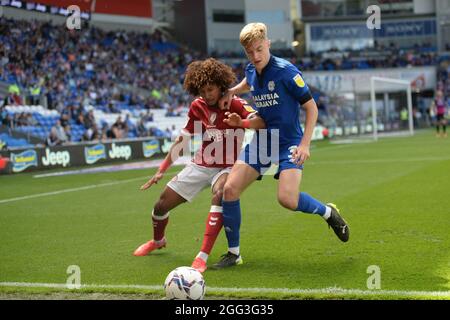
(8, 142)
(112, 72)
(133, 80)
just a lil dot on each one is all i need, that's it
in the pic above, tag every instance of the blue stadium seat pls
(13, 142)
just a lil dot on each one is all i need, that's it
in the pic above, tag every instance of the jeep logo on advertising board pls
(123, 151)
(56, 158)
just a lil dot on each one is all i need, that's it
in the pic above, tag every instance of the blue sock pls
(308, 204)
(232, 221)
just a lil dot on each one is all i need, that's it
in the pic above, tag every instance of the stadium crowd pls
(71, 71)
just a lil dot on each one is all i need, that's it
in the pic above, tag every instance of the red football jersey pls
(221, 143)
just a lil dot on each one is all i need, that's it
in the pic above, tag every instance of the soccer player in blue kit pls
(278, 89)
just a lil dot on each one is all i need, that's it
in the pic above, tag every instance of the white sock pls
(234, 250)
(158, 242)
(203, 256)
(327, 213)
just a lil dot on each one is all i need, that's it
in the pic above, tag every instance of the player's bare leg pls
(290, 198)
(214, 224)
(240, 177)
(168, 200)
(288, 188)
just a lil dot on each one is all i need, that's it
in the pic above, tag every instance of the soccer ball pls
(185, 283)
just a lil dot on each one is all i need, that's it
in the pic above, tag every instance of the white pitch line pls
(379, 160)
(83, 286)
(331, 291)
(93, 186)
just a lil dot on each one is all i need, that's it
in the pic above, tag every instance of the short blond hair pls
(251, 32)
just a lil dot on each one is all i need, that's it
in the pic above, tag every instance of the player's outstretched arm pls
(301, 154)
(225, 101)
(181, 142)
(153, 180)
(235, 120)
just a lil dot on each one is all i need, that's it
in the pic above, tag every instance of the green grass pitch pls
(395, 195)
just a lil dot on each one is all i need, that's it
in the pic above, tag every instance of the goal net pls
(388, 116)
(384, 108)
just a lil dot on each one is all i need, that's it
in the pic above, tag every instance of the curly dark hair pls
(208, 72)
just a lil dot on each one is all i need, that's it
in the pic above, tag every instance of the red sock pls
(159, 226)
(213, 226)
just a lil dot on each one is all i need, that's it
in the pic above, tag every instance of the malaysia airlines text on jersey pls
(266, 100)
(278, 93)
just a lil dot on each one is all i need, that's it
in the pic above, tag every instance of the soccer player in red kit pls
(222, 141)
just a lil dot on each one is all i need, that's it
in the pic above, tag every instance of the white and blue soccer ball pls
(185, 283)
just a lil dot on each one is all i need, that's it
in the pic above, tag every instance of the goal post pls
(404, 83)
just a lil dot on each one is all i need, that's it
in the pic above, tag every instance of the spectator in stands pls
(142, 129)
(60, 132)
(112, 108)
(148, 117)
(174, 133)
(20, 119)
(8, 121)
(67, 131)
(74, 111)
(322, 108)
(35, 94)
(12, 99)
(171, 112)
(89, 120)
(87, 135)
(91, 134)
(151, 104)
(128, 125)
(104, 133)
(29, 120)
(80, 118)
(50, 100)
(152, 132)
(404, 118)
(52, 139)
(65, 117)
(118, 129)
(86, 100)
(5, 119)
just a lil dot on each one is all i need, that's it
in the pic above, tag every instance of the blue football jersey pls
(277, 94)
